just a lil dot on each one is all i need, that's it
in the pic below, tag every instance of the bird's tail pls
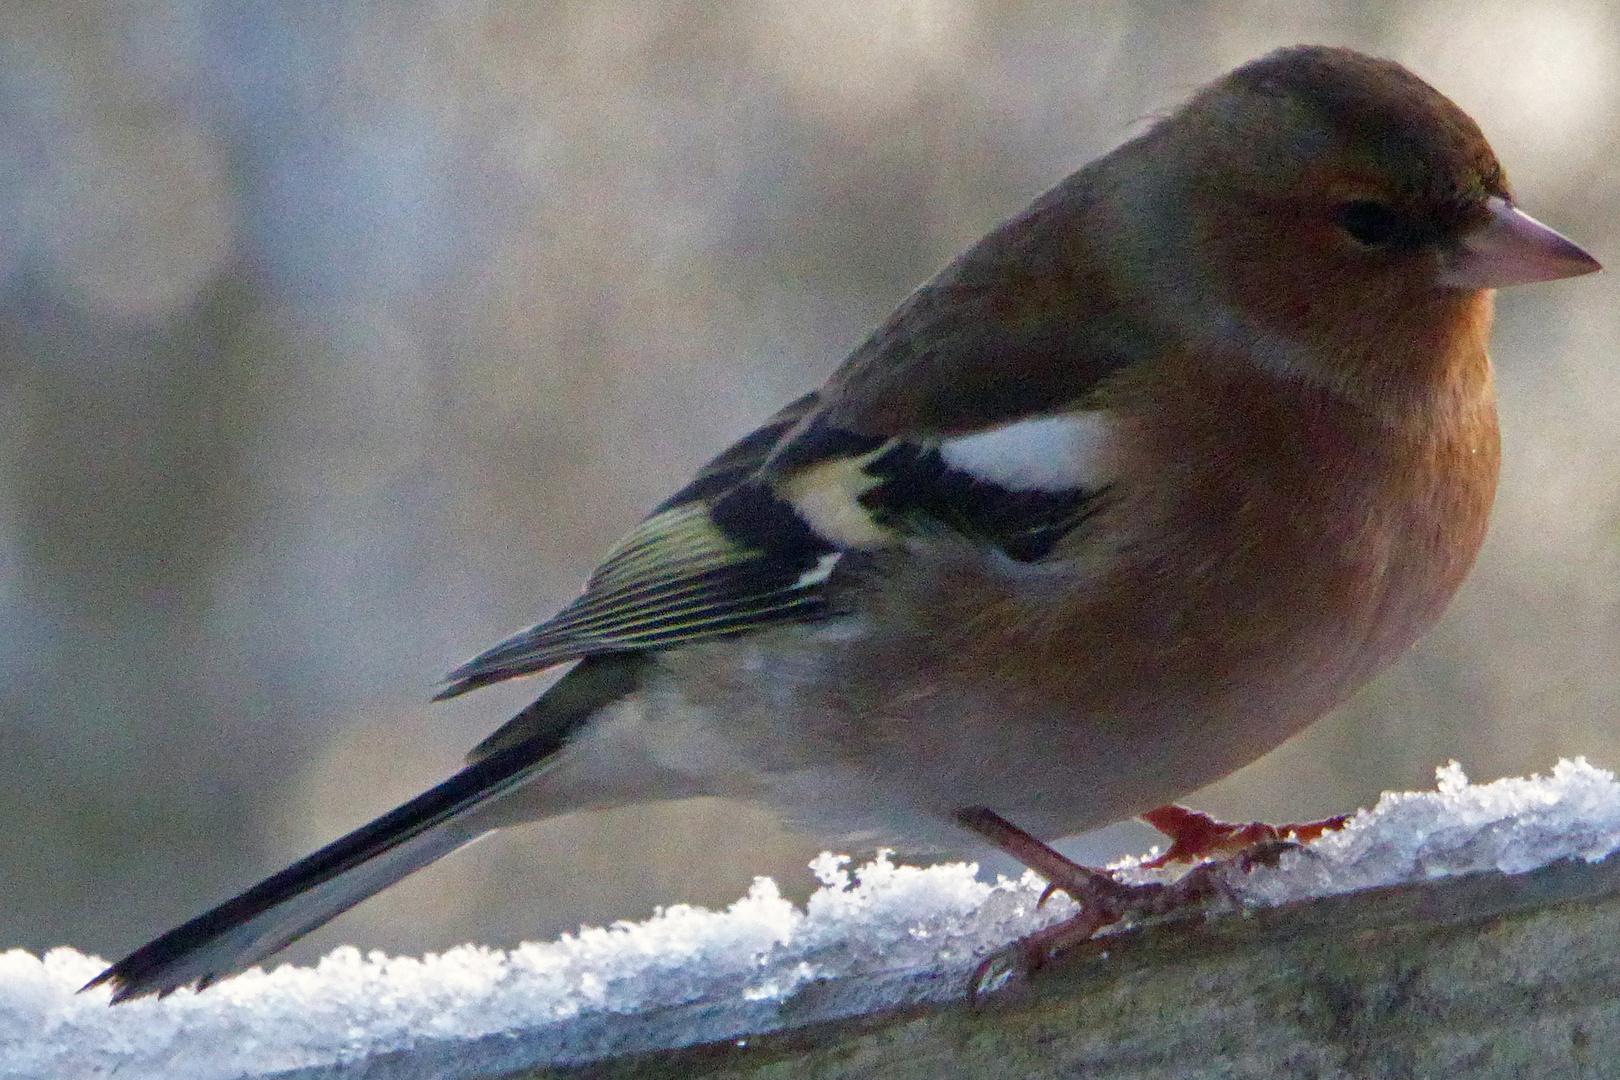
(282, 908)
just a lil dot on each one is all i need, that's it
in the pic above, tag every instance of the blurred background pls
(339, 339)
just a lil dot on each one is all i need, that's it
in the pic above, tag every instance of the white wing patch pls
(1060, 452)
(1049, 453)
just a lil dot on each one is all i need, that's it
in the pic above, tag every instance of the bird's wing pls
(970, 410)
(753, 543)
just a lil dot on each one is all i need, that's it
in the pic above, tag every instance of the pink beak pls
(1512, 248)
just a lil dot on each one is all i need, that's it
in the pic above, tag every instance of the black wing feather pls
(920, 490)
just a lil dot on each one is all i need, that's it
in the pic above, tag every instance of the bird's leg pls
(1196, 837)
(1086, 887)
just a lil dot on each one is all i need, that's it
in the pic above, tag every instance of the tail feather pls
(282, 908)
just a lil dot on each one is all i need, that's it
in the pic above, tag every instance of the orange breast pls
(1270, 546)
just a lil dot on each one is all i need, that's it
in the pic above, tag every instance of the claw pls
(1010, 967)
(994, 975)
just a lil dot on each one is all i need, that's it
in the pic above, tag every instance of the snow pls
(877, 935)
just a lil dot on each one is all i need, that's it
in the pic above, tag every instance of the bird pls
(1143, 483)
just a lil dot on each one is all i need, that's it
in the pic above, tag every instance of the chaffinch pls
(1143, 483)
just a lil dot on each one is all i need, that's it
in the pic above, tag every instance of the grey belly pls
(862, 761)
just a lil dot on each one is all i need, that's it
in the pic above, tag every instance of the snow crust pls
(878, 935)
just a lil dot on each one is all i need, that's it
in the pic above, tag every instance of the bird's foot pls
(1105, 902)
(1196, 837)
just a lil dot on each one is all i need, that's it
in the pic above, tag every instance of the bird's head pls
(1337, 200)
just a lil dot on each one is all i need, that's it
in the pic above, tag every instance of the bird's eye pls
(1368, 222)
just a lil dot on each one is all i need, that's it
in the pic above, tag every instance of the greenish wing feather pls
(697, 570)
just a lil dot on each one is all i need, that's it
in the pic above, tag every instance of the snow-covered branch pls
(1474, 924)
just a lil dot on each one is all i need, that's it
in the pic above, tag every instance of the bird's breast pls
(1265, 550)
(1273, 544)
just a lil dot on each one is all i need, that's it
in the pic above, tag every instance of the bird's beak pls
(1512, 248)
